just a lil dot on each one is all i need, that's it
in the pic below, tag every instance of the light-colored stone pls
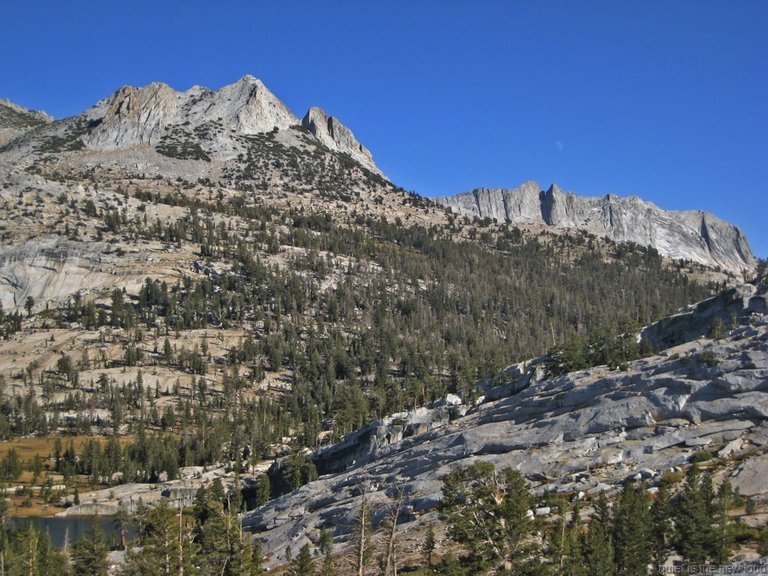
(338, 137)
(684, 235)
(751, 477)
(134, 116)
(584, 432)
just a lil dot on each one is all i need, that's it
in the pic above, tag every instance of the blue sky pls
(667, 100)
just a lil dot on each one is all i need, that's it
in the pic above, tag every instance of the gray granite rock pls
(338, 137)
(751, 477)
(686, 235)
(582, 432)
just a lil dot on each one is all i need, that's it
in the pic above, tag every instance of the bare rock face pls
(156, 130)
(50, 269)
(684, 235)
(134, 116)
(580, 433)
(337, 137)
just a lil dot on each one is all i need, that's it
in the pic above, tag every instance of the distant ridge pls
(15, 120)
(683, 235)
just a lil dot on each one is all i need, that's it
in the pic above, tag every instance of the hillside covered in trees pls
(236, 302)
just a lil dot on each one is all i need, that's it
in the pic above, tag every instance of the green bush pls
(702, 456)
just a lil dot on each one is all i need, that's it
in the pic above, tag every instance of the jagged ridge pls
(685, 235)
(16, 120)
(197, 124)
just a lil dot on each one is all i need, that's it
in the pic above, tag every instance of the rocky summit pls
(15, 120)
(146, 131)
(207, 300)
(239, 138)
(336, 136)
(685, 235)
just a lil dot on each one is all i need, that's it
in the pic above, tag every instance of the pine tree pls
(121, 521)
(89, 554)
(428, 547)
(250, 561)
(598, 549)
(29, 304)
(632, 536)
(167, 548)
(574, 550)
(557, 542)
(564, 550)
(693, 521)
(303, 565)
(661, 513)
(326, 547)
(723, 530)
(361, 535)
(389, 556)
(214, 538)
(486, 512)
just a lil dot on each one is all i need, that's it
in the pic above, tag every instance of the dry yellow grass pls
(31, 505)
(28, 448)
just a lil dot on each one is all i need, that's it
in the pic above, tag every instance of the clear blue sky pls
(667, 100)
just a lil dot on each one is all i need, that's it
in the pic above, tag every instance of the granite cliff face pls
(240, 138)
(147, 128)
(684, 235)
(338, 137)
(134, 116)
(581, 433)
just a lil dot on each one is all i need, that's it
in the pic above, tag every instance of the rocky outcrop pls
(360, 446)
(147, 130)
(144, 115)
(578, 434)
(735, 305)
(697, 236)
(51, 268)
(178, 493)
(16, 120)
(337, 137)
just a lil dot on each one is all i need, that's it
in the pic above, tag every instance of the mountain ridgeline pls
(215, 284)
(697, 236)
(220, 210)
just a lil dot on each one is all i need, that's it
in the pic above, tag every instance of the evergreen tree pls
(389, 545)
(693, 521)
(29, 304)
(632, 532)
(89, 554)
(215, 538)
(28, 552)
(303, 565)
(166, 543)
(428, 546)
(121, 521)
(661, 513)
(723, 529)
(597, 549)
(249, 561)
(361, 535)
(486, 512)
(326, 548)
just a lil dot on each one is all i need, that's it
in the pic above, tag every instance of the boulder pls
(751, 477)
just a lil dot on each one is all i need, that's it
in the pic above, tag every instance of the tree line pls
(488, 517)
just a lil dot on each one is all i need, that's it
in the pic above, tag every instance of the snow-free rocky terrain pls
(578, 434)
(686, 235)
(78, 194)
